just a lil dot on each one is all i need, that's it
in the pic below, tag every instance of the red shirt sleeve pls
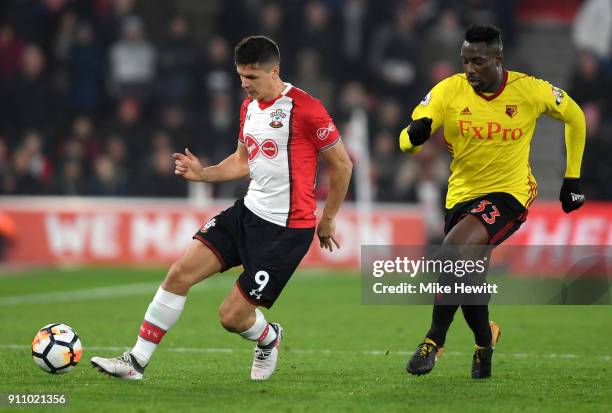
(243, 112)
(319, 126)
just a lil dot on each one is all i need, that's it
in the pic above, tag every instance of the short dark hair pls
(254, 50)
(487, 33)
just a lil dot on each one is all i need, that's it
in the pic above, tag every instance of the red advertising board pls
(547, 224)
(141, 232)
(153, 232)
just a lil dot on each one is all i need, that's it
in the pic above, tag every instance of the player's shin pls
(477, 317)
(163, 312)
(441, 319)
(261, 331)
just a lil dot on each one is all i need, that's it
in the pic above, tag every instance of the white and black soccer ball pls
(56, 348)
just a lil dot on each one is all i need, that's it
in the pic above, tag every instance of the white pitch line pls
(114, 291)
(99, 293)
(79, 295)
(317, 351)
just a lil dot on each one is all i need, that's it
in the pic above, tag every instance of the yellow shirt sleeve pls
(432, 106)
(556, 103)
(575, 137)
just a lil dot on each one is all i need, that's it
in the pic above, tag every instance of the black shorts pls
(270, 253)
(500, 213)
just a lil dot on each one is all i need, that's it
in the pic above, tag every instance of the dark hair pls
(487, 33)
(256, 50)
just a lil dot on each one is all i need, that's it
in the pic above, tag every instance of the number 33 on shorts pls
(261, 279)
(489, 218)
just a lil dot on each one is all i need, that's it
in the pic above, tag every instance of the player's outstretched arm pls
(571, 195)
(233, 167)
(339, 178)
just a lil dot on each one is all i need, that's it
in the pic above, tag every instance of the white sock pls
(163, 312)
(261, 331)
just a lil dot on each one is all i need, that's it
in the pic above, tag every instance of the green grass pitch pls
(337, 356)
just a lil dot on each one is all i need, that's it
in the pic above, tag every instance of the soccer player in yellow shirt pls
(489, 116)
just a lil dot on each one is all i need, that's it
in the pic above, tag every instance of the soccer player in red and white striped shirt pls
(283, 132)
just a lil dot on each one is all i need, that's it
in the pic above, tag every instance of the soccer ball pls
(56, 348)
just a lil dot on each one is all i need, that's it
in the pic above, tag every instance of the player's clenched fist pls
(414, 136)
(419, 131)
(571, 195)
(187, 166)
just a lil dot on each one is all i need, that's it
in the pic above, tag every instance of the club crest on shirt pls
(277, 118)
(211, 223)
(511, 110)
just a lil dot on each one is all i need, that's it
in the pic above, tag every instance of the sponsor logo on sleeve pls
(426, 100)
(323, 133)
(558, 95)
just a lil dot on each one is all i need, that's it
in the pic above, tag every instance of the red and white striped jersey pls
(283, 138)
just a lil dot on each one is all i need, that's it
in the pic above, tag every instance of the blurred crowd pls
(95, 95)
(591, 86)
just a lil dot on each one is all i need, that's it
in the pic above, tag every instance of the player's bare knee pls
(178, 279)
(227, 319)
(450, 240)
(231, 319)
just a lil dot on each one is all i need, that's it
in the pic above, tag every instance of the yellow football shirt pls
(489, 135)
